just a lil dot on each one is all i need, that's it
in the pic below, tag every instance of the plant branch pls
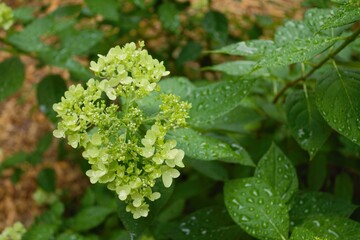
(317, 66)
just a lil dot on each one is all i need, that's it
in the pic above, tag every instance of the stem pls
(317, 66)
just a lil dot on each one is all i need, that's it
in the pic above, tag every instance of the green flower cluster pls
(15, 232)
(126, 149)
(6, 16)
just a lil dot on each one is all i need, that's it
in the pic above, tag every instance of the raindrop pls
(186, 231)
(250, 200)
(268, 191)
(244, 219)
(333, 233)
(317, 223)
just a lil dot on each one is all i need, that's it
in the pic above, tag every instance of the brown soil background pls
(22, 123)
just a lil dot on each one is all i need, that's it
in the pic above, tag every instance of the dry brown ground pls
(22, 124)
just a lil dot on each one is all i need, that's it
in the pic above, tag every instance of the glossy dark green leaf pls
(317, 172)
(88, 218)
(241, 119)
(169, 16)
(108, 9)
(216, 26)
(202, 147)
(337, 97)
(49, 91)
(12, 76)
(217, 99)
(307, 204)
(46, 179)
(344, 187)
(306, 123)
(333, 228)
(210, 223)
(213, 169)
(278, 171)
(301, 233)
(256, 208)
(24, 14)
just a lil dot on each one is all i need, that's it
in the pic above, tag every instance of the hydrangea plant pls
(127, 149)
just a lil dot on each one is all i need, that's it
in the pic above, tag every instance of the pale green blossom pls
(6, 16)
(126, 149)
(15, 232)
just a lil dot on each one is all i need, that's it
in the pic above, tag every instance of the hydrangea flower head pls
(126, 149)
(6, 16)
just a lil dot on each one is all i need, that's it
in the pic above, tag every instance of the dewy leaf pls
(240, 68)
(291, 31)
(108, 9)
(49, 91)
(298, 50)
(240, 120)
(346, 14)
(306, 123)
(315, 18)
(301, 233)
(216, 99)
(88, 218)
(253, 48)
(212, 223)
(307, 204)
(12, 76)
(333, 228)
(337, 97)
(169, 16)
(40, 231)
(278, 171)
(202, 147)
(258, 210)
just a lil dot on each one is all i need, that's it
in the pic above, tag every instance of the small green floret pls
(6, 16)
(15, 232)
(126, 149)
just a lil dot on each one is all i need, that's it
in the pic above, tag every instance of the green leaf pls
(298, 50)
(258, 210)
(315, 18)
(291, 31)
(24, 14)
(13, 161)
(216, 26)
(240, 68)
(346, 14)
(49, 91)
(333, 228)
(317, 172)
(344, 188)
(212, 223)
(40, 231)
(79, 42)
(12, 76)
(70, 236)
(301, 233)
(88, 218)
(307, 204)
(278, 171)
(202, 147)
(253, 48)
(191, 51)
(240, 120)
(306, 123)
(169, 16)
(213, 170)
(108, 9)
(217, 99)
(46, 179)
(337, 97)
